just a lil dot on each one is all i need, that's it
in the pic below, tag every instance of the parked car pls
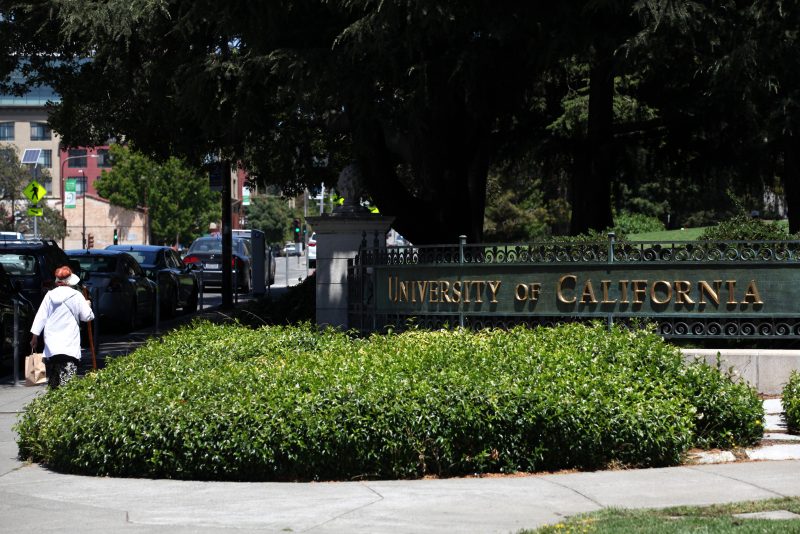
(126, 297)
(311, 255)
(9, 292)
(270, 265)
(290, 249)
(178, 284)
(32, 264)
(207, 252)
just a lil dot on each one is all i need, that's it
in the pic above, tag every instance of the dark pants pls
(60, 369)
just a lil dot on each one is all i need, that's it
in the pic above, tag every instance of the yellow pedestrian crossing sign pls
(35, 192)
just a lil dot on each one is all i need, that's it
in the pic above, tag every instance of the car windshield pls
(144, 257)
(214, 246)
(206, 245)
(98, 264)
(18, 264)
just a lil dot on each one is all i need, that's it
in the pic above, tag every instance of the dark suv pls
(9, 294)
(31, 265)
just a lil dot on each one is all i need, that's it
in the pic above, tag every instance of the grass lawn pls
(687, 234)
(682, 234)
(709, 520)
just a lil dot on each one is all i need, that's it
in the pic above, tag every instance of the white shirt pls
(58, 316)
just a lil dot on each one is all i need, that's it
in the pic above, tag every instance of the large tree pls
(419, 95)
(178, 199)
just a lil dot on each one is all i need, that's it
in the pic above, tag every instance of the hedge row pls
(290, 403)
(791, 402)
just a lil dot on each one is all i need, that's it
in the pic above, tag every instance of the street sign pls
(35, 212)
(35, 192)
(245, 196)
(69, 193)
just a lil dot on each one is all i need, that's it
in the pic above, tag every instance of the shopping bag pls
(34, 369)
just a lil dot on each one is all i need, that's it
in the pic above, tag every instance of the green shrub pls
(729, 412)
(742, 227)
(791, 402)
(227, 402)
(296, 305)
(626, 223)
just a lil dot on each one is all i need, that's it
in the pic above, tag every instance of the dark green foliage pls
(729, 413)
(296, 305)
(743, 227)
(636, 223)
(791, 402)
(287, 403)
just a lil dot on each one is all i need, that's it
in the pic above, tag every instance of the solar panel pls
(31, 156)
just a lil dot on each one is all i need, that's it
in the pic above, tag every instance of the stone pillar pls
(339, 236)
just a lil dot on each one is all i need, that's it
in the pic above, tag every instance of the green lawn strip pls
(706, 519)
(687, 234)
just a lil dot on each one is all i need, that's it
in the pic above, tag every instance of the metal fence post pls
(462, 241)
(157, 311)
(611, 236)
(16, 342)
(95, 296)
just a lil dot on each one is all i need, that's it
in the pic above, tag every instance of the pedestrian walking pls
(59, 316)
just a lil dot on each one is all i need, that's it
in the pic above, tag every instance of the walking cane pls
(90, 334)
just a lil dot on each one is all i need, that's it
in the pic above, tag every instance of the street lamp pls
(63, 200)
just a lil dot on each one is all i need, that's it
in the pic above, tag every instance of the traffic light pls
(90, 241)
(116, 236)
(296, 230)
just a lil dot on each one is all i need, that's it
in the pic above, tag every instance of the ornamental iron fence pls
(689, 289)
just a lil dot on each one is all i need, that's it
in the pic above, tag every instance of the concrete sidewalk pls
(34, 499)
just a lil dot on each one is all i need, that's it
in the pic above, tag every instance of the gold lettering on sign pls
(623, 287)
(444, 285)
(560, 288)
(682, 288)
(588, 292)
(493, 287)
(731, 288)
(639, 288)
(568, 291)
(712, 293)
(752, 293)
(667, 290)
(604, 285)
(457, 291)
(521, 292)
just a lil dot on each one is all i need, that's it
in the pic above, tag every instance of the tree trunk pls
(453, 167)
(791, 180)
(591, 179)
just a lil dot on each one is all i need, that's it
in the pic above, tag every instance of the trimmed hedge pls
(224, 402)
(791, 402)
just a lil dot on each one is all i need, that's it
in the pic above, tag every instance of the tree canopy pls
(610, 100)
(179, 202)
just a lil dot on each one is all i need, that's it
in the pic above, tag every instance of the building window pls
(40, 132)
(48, 185)
(6, 131)
(103, 158)
(46, 158)
(78, 160)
